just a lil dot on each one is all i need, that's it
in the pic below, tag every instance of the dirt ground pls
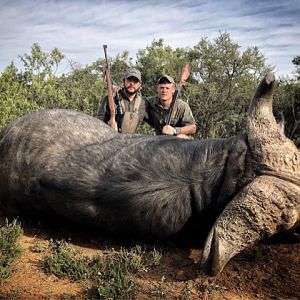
(269, 271)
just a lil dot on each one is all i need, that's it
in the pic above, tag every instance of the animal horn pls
(261, 104)
(263, 208)
(274, 153)
(262, 126)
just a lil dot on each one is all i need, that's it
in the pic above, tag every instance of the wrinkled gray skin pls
(59, 163)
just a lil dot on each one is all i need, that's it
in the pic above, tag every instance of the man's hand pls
(113, 124)
(168, 130)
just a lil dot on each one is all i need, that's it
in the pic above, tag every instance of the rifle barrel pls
(184, 76)
(111, 122)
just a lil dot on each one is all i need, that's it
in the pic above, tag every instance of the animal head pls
(270, 203)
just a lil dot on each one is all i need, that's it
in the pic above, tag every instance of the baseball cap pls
(133, 72)
(167, 77)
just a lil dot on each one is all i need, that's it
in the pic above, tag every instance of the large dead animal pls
(64, 164)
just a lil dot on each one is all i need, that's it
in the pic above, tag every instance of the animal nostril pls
(289, 219)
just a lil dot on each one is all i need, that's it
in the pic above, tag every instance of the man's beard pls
(131, 93)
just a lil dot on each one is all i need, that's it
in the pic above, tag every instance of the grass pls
(111, 276)
(64, 261)
(160, 290)
(117, 268)
(155, 258)
(9, 247)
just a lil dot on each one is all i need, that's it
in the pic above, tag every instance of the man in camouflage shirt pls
(182, 121)
(130, 106)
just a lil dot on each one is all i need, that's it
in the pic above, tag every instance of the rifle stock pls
(185, 73)
(112, 120)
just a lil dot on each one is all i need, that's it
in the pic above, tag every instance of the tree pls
(13, 96)
(224, 81)
(81, 89)
(221, 83)
(40, 76)
(287, 102)
(156, 60)
(296, 62)
(41, 64)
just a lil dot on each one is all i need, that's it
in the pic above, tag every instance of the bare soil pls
(268, 271)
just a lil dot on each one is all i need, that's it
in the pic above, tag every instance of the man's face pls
(132, 85)
(165, 92)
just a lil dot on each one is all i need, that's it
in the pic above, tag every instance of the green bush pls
(9, 247)
(110, 275)
(64, 261)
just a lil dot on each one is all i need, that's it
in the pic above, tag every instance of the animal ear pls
(281, 122)
(264, 207)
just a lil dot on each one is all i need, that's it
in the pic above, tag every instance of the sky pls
(79, 28)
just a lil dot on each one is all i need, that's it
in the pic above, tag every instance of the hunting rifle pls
(110, 98)
(185, 73)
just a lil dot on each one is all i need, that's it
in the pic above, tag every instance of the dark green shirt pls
(156, 114)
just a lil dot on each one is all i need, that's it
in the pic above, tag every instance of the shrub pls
(110, 275)
(9, 247)
(65, 261)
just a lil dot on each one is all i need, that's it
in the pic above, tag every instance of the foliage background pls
(219, 90)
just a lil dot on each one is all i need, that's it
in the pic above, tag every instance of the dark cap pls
(166, 78)
(133, 72)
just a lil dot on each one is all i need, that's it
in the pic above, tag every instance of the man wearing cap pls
(182, 121)
(130, 107)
